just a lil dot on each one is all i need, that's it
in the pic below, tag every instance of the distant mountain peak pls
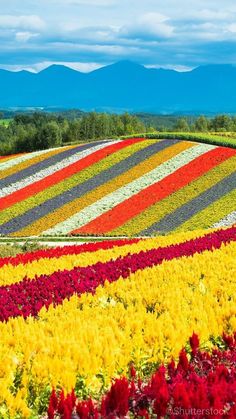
(128, 63)
(125, 66)
(207, 68)
(58, 68)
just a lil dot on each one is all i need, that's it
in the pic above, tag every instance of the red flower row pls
(204, 386)
(27, 297)
(63, 251)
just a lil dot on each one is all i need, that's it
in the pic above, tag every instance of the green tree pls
(201, 124)
(182, 125)
(222, 123)
(73, 133)
(48, 135)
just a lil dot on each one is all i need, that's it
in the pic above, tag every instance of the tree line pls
(220, 123)
(38, 131)
(41, 130)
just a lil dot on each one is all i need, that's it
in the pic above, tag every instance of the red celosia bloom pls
(86, 409)
(183, 361)
(117, 399)
(194, 343)
(53, 399)
(143, 413)
(229, 340)
(132, 371)
(181, 395)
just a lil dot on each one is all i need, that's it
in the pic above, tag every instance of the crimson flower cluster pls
(200, 385)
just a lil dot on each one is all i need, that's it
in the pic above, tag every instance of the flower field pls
(127, 328)
(133, 187)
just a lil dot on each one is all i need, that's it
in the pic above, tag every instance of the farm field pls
(130, 313)
(136, 187)
(127, 328)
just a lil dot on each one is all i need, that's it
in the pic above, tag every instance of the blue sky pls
(87, 34)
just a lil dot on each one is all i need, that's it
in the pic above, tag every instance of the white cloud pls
(232, 28)
(25, 36)
(150, 25)
(208, 15)
(31, 22)
(180, 68)
(87, 33)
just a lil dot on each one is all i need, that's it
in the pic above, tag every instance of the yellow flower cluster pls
(145, 318)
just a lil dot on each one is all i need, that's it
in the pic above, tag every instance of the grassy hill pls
(134, 187)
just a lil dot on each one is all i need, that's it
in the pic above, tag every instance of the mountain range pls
(123, 86)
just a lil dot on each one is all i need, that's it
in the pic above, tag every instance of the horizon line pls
(94, 67)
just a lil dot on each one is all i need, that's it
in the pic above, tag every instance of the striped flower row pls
(130, 187)
(158, 191)
(29, 296)
(200, 201)
(49, 261)
(125, 192)
(31, 199)
(56, 252)
(15, 160)
(35, 177)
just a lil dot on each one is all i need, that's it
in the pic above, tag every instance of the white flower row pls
(109, 201)
(17, 160)
(228, 220)
(51, 169)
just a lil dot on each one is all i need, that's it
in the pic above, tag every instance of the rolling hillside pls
(131, 187)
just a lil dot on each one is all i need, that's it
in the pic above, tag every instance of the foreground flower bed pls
(201, 385)
(78, 318)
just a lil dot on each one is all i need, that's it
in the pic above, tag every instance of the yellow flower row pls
(145, 318)
(10, 274)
